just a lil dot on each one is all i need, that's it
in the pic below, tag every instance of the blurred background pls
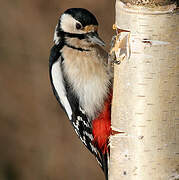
(36, 138)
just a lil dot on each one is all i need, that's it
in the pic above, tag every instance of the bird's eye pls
(78, 26)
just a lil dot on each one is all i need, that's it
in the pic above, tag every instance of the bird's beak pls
(94, 38)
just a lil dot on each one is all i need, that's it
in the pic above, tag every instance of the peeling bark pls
(146, 95)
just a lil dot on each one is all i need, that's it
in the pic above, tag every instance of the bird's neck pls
(78, 44)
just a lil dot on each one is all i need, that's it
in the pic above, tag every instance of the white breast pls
(87, 73)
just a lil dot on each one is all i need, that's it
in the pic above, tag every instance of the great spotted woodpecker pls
(81, 80)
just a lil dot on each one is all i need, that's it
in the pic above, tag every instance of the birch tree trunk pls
(146, 92)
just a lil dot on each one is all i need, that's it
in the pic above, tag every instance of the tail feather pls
(104, 158)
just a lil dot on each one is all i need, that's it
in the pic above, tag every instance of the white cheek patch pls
(57, 80)
(68, 24)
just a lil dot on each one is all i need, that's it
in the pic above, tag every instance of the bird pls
(81, 80)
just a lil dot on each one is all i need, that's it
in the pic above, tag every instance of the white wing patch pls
(57, 79)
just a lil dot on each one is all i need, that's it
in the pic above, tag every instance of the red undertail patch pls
(102, 127)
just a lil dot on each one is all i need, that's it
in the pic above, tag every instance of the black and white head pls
(77, 26)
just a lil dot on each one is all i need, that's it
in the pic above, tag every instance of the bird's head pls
(78, 27)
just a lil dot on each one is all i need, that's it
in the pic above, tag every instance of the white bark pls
(146, 96)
